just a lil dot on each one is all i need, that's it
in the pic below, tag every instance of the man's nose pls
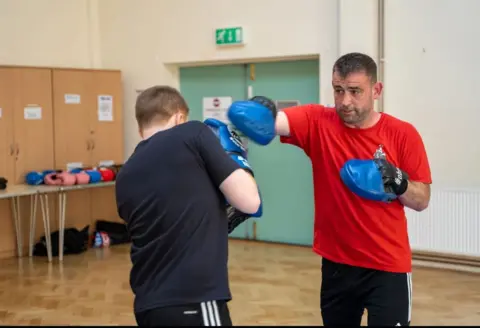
(346, 99)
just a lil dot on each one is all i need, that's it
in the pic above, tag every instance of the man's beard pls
(352, 115)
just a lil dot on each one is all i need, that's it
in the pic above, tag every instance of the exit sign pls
(229, 36)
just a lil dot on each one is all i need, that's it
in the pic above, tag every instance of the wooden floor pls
(271, 285)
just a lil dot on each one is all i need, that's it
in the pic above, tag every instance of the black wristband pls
(401, 182)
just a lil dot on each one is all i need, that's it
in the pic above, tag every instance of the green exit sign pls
(229, 36)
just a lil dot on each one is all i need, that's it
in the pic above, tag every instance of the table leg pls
(18, 225)
(62, 201)
(46, 224)
(33, 221)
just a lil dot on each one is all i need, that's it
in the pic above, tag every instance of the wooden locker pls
(107, 137)
(81, 136)
(106, 120)
(33, 121)
(7, 142)
(33, 134)
(73, 101)
(27, 128)
(7, 158)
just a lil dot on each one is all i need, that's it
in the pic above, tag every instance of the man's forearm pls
(417, 196)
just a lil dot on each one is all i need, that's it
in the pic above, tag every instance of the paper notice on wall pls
(72, 99)
(105, 108)
(216, 107)
(32, 113)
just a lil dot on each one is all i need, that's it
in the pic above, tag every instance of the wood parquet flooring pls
(271, 285)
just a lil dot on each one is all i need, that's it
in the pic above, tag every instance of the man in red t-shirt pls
(366, 256)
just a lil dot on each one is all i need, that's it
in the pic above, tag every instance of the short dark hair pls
(158, 104)
(356, 62)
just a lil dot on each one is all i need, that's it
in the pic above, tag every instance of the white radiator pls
(450, 225)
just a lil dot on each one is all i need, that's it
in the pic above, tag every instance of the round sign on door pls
(216, 107)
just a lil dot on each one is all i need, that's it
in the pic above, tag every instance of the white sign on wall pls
(32, 113)
(105, 108)
(216, 107)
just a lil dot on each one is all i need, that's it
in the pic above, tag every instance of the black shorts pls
(347, 291)
(212, 313)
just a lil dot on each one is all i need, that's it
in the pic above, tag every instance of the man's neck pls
(369, 121)
(150, 131)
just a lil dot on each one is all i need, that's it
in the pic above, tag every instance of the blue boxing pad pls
(255, 118)
(229, 140)
(232, 144)
(364, 178)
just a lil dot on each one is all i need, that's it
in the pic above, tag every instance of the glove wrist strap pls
(402, 187)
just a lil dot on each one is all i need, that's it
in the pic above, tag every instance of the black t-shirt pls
(168, 194)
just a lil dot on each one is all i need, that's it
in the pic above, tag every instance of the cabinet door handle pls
(12, 149)
(88, 144)
(93, 144)
(18, 149)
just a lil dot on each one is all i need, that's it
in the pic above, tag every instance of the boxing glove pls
(374, 179)
(232, 144)
(255, 118)
(229, 140)
(34, 178)
(107, 174)
(82, 178)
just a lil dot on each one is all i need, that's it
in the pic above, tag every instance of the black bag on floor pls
(74, 242)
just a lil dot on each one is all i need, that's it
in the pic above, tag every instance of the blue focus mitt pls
(232, 144)
(374, 179)
(255, 118)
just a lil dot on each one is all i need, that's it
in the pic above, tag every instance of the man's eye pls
(338, 91)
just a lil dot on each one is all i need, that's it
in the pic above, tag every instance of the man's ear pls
(180, 118)
(377, 90)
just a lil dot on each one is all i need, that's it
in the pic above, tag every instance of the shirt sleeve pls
(300, 119)
(414, 159)
(218, 163)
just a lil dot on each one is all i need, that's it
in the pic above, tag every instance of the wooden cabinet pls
(107, 138)
(7, 142)
(88, 117)
(49, 118)
(89, 132)
(33, 121)
(26, 138)
(26, 126)
(107, 128)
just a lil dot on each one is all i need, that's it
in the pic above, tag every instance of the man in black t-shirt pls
(172, 194)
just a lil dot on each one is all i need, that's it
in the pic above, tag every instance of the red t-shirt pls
(349, 229)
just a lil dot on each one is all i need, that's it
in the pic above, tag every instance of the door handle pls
(93, 144)
(12, 149)
(88, 144)
(18, 150)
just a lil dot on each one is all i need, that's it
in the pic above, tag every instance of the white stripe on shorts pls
(210, 314)
(409, 286)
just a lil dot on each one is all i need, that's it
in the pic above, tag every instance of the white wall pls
(49, 33)
(142, 36)
(431, 59)
(433, 80)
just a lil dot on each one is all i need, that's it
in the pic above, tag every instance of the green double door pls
(283, 172)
